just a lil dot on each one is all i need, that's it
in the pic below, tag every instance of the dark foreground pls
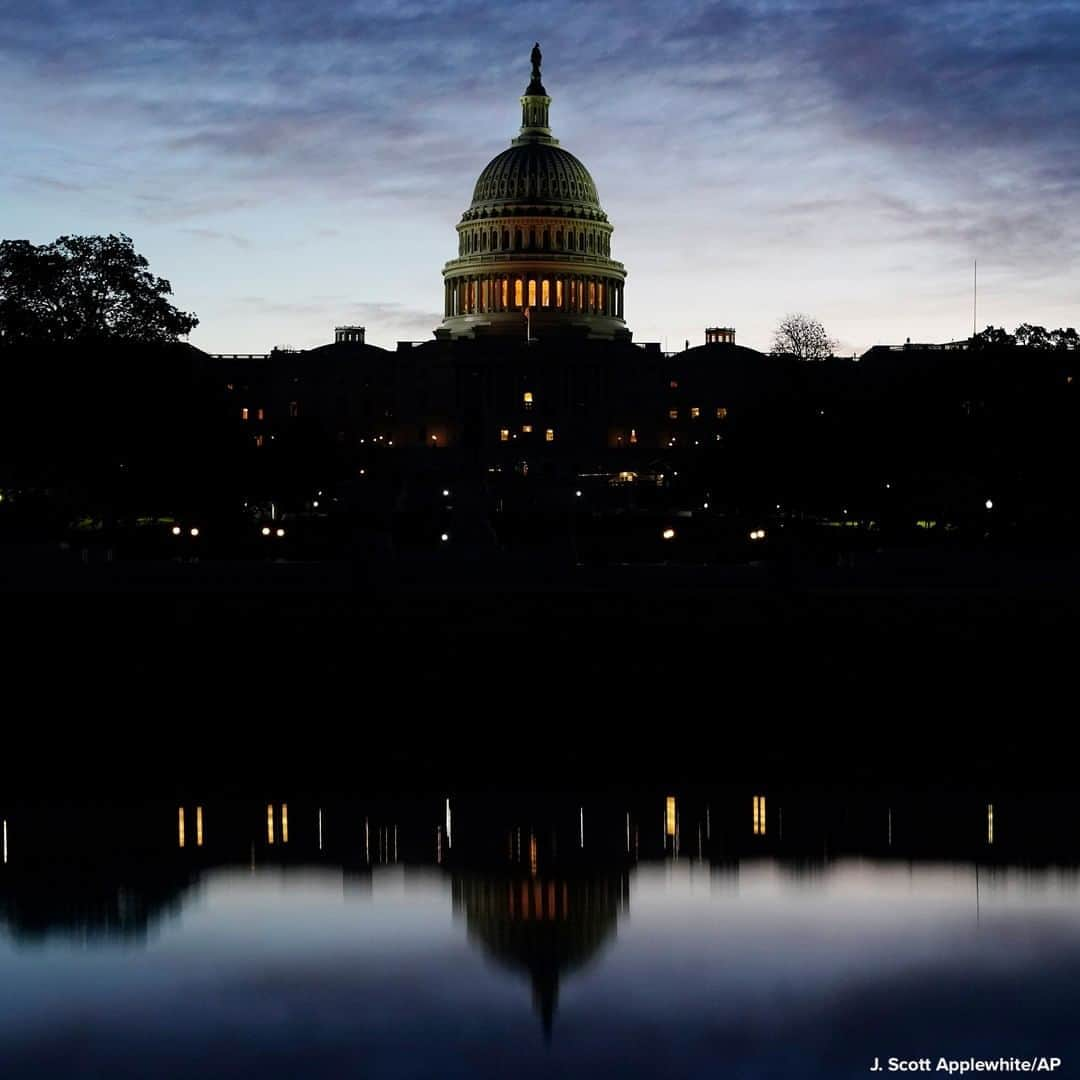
(903, 670)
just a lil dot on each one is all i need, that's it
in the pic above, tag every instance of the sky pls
(293, 166)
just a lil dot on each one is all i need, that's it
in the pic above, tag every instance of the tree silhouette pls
(802, 337)
(84, 289)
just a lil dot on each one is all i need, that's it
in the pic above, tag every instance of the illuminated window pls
(600, 295)
(232, 386)
(244, 413)
(549, 435)
(527, 399)
(674, 384)
(669, 816)
(294, 409)
(505, 292)
(518, 292)
(259, 440)
(545, 293)
(759, 815)
(721, 413)
(504, 434)
(592, 295)
(558, 293)
(261, 414)
(526, 429)
(573, 294)
(633, 436)
(673, 414)
(532, 293)
(695, 412)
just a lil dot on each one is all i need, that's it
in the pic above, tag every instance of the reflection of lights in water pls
(990, 823)
(320, 830)
(759, 815)
(669, 817)
(198, 826)
(180, 824)
(449, 836)
(284, 823)
(269, 823)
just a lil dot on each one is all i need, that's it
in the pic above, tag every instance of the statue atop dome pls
(536, 87)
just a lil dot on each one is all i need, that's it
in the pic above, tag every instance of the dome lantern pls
(535, 105)
(534, 238)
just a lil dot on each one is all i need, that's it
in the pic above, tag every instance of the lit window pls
(721, 413)
(549, 435)
(294, 409)
(526, 429)
(244, 413)
(633, 436)
(518, 292)
(592, 294)
(527, 399)
(230, 386)
(261, 414)
(505, 292)
(673, 414)
(259, 440)
(600, 294)
(558, 293)
(674, 384)
(504, 434)
(545, 293)
(695, 412)
(532, 293)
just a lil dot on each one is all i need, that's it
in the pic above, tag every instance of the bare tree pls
(804, 338)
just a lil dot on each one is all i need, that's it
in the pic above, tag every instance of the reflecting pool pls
(447, 936)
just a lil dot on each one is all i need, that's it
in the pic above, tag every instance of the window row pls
(695, 413)
(505, 434)
(591, 241)
(471, 296)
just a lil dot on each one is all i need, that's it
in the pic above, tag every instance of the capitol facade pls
(534, 246)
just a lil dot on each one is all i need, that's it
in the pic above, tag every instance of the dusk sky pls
(291, 166)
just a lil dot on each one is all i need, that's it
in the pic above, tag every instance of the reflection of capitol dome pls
(535, 238)
(541, 926)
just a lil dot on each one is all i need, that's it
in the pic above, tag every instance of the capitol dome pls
(534, 246)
